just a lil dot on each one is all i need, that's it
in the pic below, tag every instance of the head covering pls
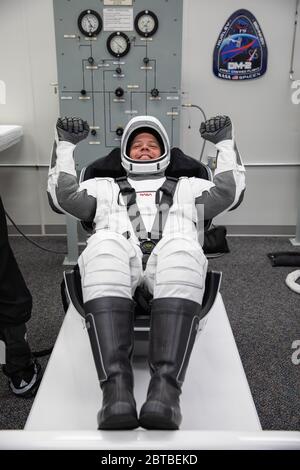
(153, 126)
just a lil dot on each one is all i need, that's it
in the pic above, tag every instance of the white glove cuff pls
(65, 160)
(226, 157)
(225, 145)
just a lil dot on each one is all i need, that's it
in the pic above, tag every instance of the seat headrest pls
(180, 165)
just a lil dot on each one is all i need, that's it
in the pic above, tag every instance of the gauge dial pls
(146, 23)
(90, 23)
(118, 44)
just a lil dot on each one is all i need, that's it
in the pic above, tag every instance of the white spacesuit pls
(146, 233)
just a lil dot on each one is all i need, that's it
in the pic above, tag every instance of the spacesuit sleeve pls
(226, 192)
(65, 194)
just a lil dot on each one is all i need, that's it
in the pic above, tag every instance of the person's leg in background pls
(110, 269)
(175, 275)
(24, 373)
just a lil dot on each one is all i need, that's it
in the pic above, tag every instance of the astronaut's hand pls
(72, 129)
(216, 129)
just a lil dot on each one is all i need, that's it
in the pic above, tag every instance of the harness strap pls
(127, 191)
(148, 239)
(168, 189)
(129, 196)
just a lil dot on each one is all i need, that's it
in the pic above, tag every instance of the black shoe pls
(174, 325)
(25, 383)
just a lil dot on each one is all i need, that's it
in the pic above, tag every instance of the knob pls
(83, 92)
(154, 92)
(119, 92)
(146, 60)
(93, 132)
(91, 60)
(119, 131)
(118, 70)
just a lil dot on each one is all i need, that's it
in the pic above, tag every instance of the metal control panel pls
(118, 59)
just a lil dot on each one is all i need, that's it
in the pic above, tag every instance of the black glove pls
(72, 129)
(216, 129)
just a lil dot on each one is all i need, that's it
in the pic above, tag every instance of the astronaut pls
(145, 234)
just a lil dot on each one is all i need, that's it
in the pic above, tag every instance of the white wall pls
(267, 123)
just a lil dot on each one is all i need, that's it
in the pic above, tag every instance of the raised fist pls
(216, 129)
(72, 129)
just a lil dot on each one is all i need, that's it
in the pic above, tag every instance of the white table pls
(9, 135)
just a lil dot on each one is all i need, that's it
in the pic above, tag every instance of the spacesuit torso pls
(111, 212)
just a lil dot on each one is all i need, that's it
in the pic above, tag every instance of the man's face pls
(145, 147)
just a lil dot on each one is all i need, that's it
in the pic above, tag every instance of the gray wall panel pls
(99, 104)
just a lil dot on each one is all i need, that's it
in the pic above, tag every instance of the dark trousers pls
(15, 304)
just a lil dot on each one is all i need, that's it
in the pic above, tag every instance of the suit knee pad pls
(106, 268)
(180, 270)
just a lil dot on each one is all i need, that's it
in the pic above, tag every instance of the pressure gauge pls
(118, 44)
(146, 23)
(90, 23)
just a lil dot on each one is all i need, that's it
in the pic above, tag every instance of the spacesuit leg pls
(110, 269)
(176, 275)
